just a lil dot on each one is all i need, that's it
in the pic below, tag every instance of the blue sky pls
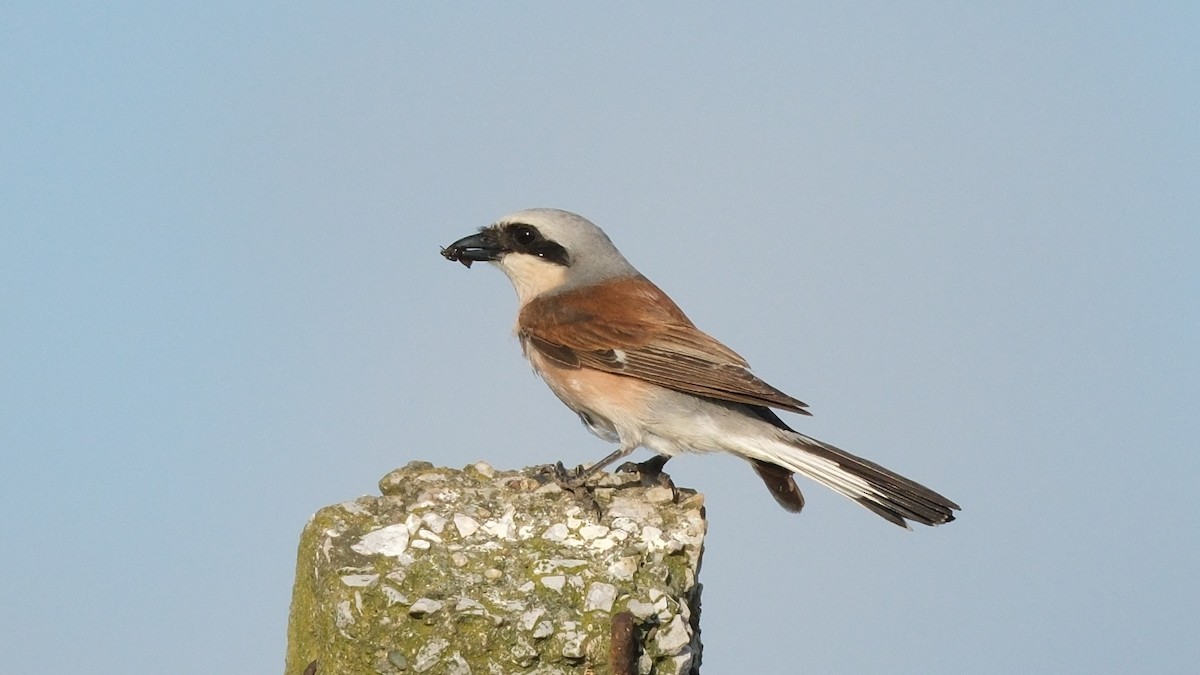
(967, 236)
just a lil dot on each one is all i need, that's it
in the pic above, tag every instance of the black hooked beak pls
(482, 246)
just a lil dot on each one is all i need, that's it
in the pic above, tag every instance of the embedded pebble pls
(357, 580)
(674, 637)
(661, 606)
(503, 528)
(458, 665)
(572, 640)
(390, 541)
(682, 663)
(427, 656)
(592, 531)
(556, 532)
(469, 606)
(639, 511)
(660, 495)
(624, 568)
(528, 619)
(642, 610)
(424, 606)
(394, 596)
(554, 582)
(435, 522)
(652, 538)
(426, 501)
(413, 523)
(492, 574)
(551, 488)
(542, 630)
(603, 544)
(600, 596)
(523, 484)
(343, 616)
(466, 525)
(626, 524)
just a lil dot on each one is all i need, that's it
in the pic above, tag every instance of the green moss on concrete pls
(358, 609)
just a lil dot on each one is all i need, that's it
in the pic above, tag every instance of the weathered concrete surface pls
(488, 572)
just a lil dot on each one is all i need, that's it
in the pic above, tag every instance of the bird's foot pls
(650, 470)
(575, 482)
(567, 479)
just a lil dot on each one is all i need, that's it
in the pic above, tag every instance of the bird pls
(624, 357)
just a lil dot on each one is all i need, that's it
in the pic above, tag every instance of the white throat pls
(530, 275)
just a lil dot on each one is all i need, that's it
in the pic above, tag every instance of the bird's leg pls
(576, 482)
(582, 476)
(570, 480)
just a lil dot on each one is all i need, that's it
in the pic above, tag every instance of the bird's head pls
(543, 251)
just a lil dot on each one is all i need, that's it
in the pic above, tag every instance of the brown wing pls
(630, 327)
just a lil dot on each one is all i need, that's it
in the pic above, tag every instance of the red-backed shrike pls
(626, 359)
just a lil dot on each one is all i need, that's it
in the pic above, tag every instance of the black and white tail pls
(892, 496)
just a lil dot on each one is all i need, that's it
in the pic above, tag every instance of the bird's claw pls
(566, 478)
(574, 481)
(651, 471)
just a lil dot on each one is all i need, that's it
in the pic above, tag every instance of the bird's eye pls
(525, 235)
